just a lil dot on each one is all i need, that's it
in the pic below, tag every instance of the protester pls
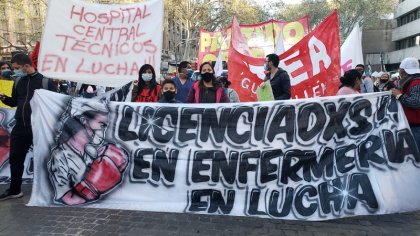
(87, 91)
(385, 84)
(21, 136)
(169, 92)
(64, 87)
(409, 95)
(395, 78)
(375, 78)
(6, 81)
(183, 81)
(350, 82)
(208, 89)
(232, 94)
(279, 79)
(367, 84)
(146, 88)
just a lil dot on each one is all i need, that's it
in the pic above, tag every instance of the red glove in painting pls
(104, 173)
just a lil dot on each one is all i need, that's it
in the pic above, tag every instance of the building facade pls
(405, 37)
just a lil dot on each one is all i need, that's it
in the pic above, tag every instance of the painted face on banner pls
(96, 128)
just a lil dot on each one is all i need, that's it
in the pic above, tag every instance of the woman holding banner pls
(207, 89)
(350, 83)
(146, 89)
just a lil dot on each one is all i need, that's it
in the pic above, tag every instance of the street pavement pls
(18, 219)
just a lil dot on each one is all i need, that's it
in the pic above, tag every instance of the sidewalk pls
(18, 219)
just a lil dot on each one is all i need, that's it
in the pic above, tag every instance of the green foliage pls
(367, 12)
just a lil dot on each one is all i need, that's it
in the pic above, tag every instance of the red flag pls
(238, 40)
(313, 63)
(34, 55)
(243, 67)
(246, 74)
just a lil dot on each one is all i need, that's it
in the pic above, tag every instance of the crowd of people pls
(405, 88)
(23, 79)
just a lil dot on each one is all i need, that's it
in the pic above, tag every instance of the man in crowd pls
(409, 95)
(21, 137)
(183, 81)
(279, 79)
(367, 85)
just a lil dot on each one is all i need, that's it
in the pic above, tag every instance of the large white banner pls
(351, 50)
(312, 159)
(101, 44)
(7, 122)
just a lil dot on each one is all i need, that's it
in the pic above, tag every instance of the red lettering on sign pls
(58, 64)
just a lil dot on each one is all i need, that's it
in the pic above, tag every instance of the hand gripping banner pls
(312, 159)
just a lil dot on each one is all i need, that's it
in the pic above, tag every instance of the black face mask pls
(384, 80)
(207, 77)
(169, 95)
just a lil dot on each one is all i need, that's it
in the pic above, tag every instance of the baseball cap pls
(410, 65)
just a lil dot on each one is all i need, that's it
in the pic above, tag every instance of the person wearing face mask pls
(21, 136)
(350, 82)
(6, 80)
(232, 94)
(207, 89)
(409, 95)
(83, 165)
(169, 92)
(146, 89)
(385, 84)
(279, 79)
(183, 81)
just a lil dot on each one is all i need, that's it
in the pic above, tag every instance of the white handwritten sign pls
(101, 44)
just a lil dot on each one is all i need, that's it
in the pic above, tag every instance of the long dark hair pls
(214, 81)
(350, 77)
(2, 63)
(142, 84)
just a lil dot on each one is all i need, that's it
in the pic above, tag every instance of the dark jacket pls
(22, 94)
(410, 99)
(280, 84)
(195, 94)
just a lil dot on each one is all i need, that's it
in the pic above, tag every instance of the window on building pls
(21, 25)
(3, 10)
(404, 20)
(417, 41)
(5, 39)
(21, 38)
(411, 17)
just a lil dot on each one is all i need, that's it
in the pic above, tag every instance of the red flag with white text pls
(313, 63)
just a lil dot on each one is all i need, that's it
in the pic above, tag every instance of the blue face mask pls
(189, 73)
(19, 73)
(6, 73)
(266, 67)
(146, 77)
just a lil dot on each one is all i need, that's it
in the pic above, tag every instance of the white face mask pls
(98, 136)
(146, 77)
